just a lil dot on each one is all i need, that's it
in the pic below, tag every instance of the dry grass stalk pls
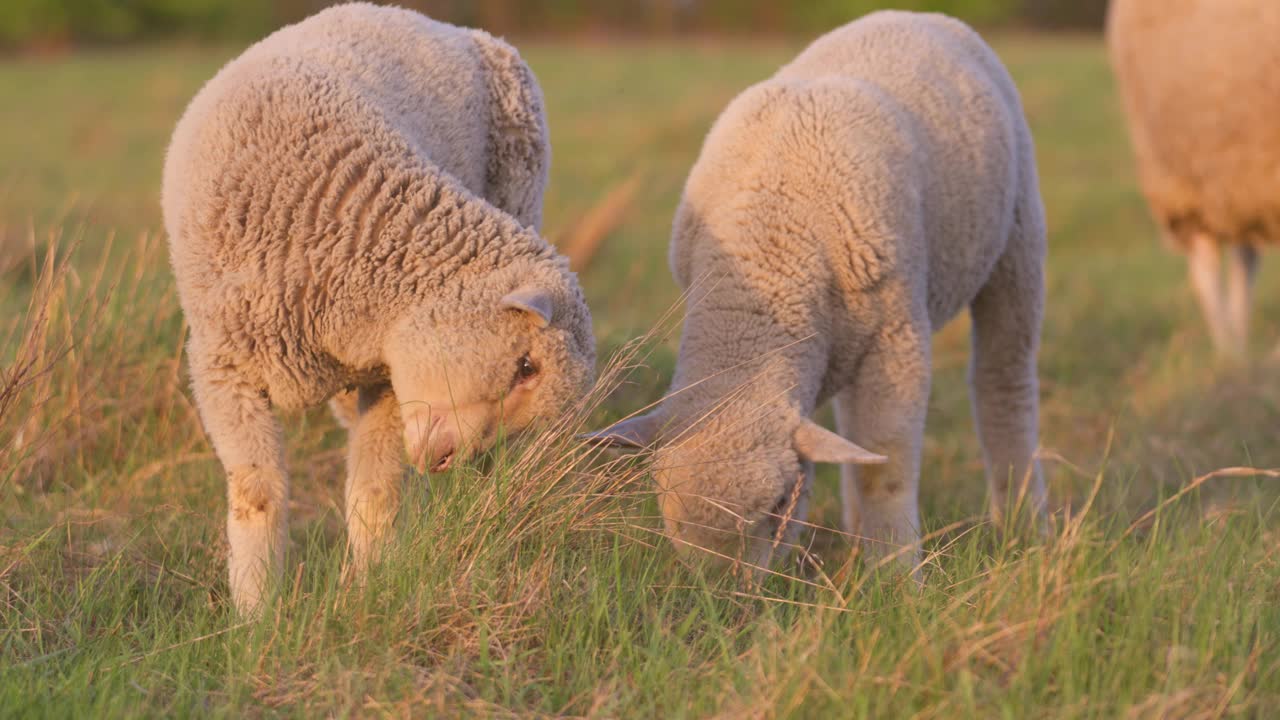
(581, 243)
(34, 359)
(16, 249)
(69, 389)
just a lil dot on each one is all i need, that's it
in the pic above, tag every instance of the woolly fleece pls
(352, 204)
(839, 213)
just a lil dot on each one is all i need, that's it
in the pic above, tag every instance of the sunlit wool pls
(840, 213)
(352, 205)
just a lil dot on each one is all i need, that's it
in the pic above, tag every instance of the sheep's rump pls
(1200, 85)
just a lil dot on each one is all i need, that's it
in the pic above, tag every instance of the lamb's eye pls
(525, 369)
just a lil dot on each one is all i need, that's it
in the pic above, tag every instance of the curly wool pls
(1200, 83)
(352, 208)
(838, 214)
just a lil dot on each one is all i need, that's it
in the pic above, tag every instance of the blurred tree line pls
(52, 24)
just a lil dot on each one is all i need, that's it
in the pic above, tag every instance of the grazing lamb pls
(1200, 83)
(352, 205)
(841, 212)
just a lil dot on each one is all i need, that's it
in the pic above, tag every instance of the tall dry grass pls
(538, 581)
(92, 364)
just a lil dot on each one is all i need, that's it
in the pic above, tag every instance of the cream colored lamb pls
(1200, 81)
(352, 205)
(839, 214)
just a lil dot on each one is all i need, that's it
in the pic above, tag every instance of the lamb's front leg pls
(375, 471)
(883, 410)
(248, 441)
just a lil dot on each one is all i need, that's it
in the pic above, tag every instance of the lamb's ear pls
(818, 444)
(531, 299)
(636, 433)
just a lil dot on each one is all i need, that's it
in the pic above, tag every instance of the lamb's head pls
(733, 484)
(493, 360)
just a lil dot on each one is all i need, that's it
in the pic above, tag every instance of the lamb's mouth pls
(443, 463)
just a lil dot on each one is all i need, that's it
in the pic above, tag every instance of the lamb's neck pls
(437, 235)
(416, 240)
(740, 347)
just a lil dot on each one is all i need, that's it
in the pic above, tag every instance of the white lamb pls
(839, 214)
(352, 205)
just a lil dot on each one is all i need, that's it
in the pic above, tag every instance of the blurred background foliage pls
(52, 25)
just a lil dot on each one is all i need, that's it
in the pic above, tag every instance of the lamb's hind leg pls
(1004, 387)
(247, 439)
(883, 410)
(1242, 267)
(1204, 268)
(375, 471)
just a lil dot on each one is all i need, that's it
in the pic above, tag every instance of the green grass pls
(537, 584)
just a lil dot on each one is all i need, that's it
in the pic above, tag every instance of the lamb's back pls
(399, 78)
(426, 78)
(897, 141)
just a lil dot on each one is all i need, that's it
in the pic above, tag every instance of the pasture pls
(536, 582)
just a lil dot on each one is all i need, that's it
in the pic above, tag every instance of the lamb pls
(1200, 89)
(352, 208)
(839, 213)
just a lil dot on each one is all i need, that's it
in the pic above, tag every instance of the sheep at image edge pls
(352, 208)
(839, 214)
(1200, 85)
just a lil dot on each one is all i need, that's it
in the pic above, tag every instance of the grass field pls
(533, 585)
